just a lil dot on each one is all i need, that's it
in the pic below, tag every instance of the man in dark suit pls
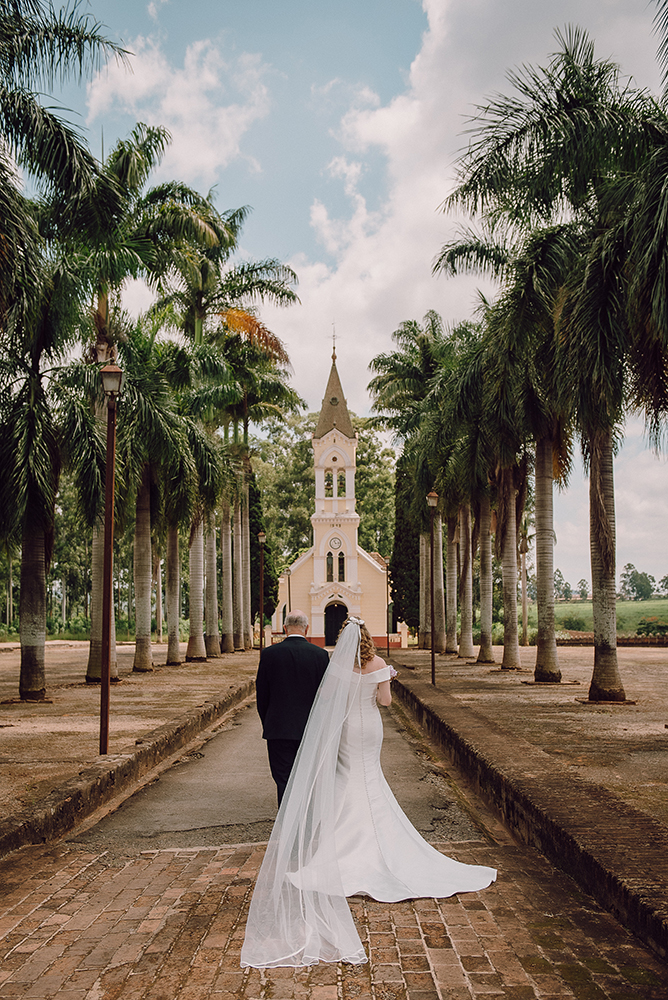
(287, 679)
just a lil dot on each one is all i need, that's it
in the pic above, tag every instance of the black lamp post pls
(112, 382)
(288, 573)
(262, 538)
(432, 500)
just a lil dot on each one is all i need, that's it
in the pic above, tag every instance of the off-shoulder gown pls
(379, 851)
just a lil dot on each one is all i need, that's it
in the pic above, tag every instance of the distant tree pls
(559, 583)
(532, 586)
(283, 465)
(270, 586)
(568, 591)
(405, 560)
(583, 590)
(374, 490)
(70, 566)
(662, 585)
(644, 586)
(636, 586)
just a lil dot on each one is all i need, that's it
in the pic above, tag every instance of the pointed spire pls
(334, 411)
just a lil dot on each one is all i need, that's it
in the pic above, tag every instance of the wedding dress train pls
(379, 851)
(340, 832)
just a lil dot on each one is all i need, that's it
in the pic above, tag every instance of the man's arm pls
(262, 687)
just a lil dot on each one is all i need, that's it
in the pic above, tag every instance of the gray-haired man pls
(288, 677)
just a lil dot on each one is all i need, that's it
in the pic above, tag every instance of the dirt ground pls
(623, 747)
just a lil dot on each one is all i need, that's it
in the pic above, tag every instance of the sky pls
(340, 124)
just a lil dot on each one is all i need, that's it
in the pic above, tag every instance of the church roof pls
(334, 411)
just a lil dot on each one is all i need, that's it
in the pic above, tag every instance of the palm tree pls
(398, 390)
(556, 146)
(119, 230)
(534, 272)
(167, 458)
(204, 287)
(44, 423)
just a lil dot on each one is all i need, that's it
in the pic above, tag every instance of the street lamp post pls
(112, 381)
(288, 573)
(432, 500)
(262, 538)
(387, 603)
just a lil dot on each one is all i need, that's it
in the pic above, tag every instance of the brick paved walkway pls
(168, 924)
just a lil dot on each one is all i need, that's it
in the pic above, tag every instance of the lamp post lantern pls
(432, 500)
(262, 538)
(112, 383)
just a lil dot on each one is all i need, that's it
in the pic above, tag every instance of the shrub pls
(574, 623)
(652, 626)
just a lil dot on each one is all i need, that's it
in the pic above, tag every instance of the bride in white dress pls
(339, 830)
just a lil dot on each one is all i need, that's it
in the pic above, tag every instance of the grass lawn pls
(629, 613)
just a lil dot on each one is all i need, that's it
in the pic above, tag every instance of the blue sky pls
(339, 124)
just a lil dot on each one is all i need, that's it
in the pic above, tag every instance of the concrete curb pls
(69, 804)
(615, 852)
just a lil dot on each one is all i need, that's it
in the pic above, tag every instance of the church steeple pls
(334, 410)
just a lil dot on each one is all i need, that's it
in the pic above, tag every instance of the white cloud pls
(153, 8)
(381, 269)
(208, 104)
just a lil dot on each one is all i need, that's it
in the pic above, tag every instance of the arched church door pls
(335, 615)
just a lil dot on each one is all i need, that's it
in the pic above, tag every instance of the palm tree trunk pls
(523, 589)
(424, 638)
(547, 658)
(606, 683)
(511, 646)
(227, 605)
(143, 574)
(157, 579)
(439, 591)
(451, 589)
(486, 653)
(238, 589)
(245, 520)
(32, 615)
(196, 649)
(466, 637)
(172, 595)
(211, 603)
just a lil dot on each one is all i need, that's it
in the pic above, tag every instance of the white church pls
(335, 577)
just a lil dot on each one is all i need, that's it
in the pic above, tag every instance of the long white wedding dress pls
(340, 832)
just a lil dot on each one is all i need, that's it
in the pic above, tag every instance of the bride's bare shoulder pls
(373, 665)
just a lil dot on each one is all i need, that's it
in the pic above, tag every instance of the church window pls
(329, 483)
(342, 567)
(330, 568)
(341, 480)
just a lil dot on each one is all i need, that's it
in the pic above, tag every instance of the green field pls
(629, 613)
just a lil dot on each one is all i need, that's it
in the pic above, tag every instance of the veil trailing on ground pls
(299, 914)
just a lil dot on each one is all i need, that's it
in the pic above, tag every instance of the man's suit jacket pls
(287, 679)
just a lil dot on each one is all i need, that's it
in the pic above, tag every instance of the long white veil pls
(299, 914)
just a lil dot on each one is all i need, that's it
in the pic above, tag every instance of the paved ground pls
(96, 922)
(44, 744)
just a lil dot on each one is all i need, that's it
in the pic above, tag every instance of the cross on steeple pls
(333, 341)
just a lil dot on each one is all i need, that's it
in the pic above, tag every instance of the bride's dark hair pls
(367, 645)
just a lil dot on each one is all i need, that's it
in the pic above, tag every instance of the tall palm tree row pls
(574, 141)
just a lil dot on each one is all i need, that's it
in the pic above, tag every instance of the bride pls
(339, 830)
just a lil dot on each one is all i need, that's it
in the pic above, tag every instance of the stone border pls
(77, 798)
(615, 852)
